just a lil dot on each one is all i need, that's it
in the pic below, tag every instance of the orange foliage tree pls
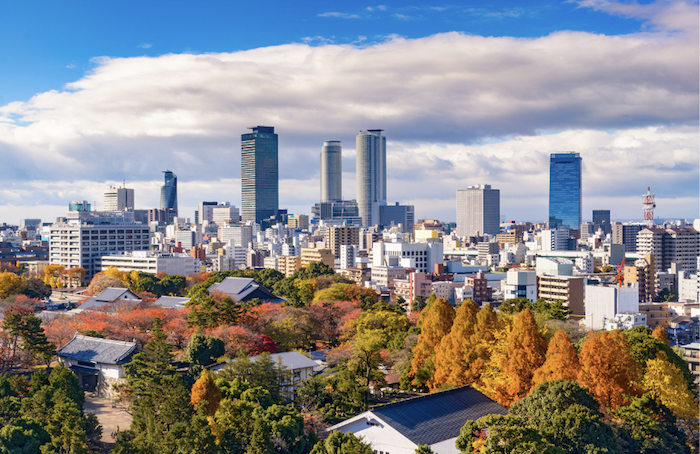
(660, 333)
(522, 352)
(436, 321)
(608, 369)
(561, 361)
(205, 389)
(464, 352)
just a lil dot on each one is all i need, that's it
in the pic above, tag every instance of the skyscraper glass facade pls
(565, 191)
(371, 175)
(259, 174)
(168, 193)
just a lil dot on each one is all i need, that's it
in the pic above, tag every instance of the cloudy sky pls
(94, 94)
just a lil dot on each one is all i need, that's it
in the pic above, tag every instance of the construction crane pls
(620, 275)
(649, 205)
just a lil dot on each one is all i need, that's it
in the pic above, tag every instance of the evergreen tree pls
(340, 443)
(203, 350)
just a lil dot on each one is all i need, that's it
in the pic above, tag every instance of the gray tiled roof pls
(108, 295)
(291, 360)
(243, 288)
(171, 301)
(96, 350)
(437, 417)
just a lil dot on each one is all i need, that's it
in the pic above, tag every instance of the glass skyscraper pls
(259, 174)
(371, 175)
(565, 191)
(168, 193)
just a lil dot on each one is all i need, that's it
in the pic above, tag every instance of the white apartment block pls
(186, 238)
(421, 256)
(81, 245)
(605, 302)
(149, 262)
(241, 235)
(520, 284)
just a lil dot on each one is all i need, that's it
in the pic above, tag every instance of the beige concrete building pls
(341, 235)
(567, 289)
(288, 265)
(325, 256)
(298, 221)
(657, 314)
(642, 273)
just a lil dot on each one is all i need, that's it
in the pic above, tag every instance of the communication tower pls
(649, 205)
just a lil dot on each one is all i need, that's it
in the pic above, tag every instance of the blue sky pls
(47, 44)
(95, 93)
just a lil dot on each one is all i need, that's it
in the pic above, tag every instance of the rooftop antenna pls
(649, 205)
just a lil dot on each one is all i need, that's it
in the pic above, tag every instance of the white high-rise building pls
(478, 210)
(224, 212)
(119, 199)
(371, 175)
(331, 171)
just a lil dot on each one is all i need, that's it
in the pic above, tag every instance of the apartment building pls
(567, 289)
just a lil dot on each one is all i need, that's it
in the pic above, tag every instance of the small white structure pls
(149, 262)
(98, 363)
(434, 420)
(520, 284)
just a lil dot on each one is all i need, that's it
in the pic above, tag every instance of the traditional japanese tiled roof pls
(96, 350)
(174, 302)
(107, 296)
(244, 289)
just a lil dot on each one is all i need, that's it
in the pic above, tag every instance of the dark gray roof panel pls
(244, 289)
(437, 417)
(96, 350)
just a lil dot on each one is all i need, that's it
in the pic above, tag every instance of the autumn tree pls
(435, 322)
(204, 389)
(665, 381)
(660, 333)
(522, 353)
(101, 281)
(454, 351)
(10, 284)
(561, 361)
(52, 275)
(608, 369)
(74, 276)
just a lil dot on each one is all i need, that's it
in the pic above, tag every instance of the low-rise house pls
(98, 363)
(243, 289)
(434, 420)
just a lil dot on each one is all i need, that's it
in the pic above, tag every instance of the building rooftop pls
(96, 350)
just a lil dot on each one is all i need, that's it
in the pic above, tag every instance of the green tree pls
(35, 288)
(418, 303)
(505, 434)
(203, 350)
(424, 449)
(650, 427)
(173, 284)
(261, 371)
(340, 443)
(568, 415)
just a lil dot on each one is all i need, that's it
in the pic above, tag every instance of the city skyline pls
(615, 82)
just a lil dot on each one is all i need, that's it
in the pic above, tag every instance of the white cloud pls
(455, 108)
(661, 14)
(145, 46)
(340, 15)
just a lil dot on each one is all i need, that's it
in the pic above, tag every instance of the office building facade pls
(168, 194)
(478, 211)
(118, 199)
(331, 171)
(601, 220)
(259, 174)
(371, 175)
(565, 191)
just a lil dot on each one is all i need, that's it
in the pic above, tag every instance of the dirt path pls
(112, 419)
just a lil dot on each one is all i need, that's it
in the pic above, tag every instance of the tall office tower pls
(119, 199)
(331, 171)
(565, 191)
(259, 174)
(601, 220)
(478, 210)
(168, 193)
(371, 175)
